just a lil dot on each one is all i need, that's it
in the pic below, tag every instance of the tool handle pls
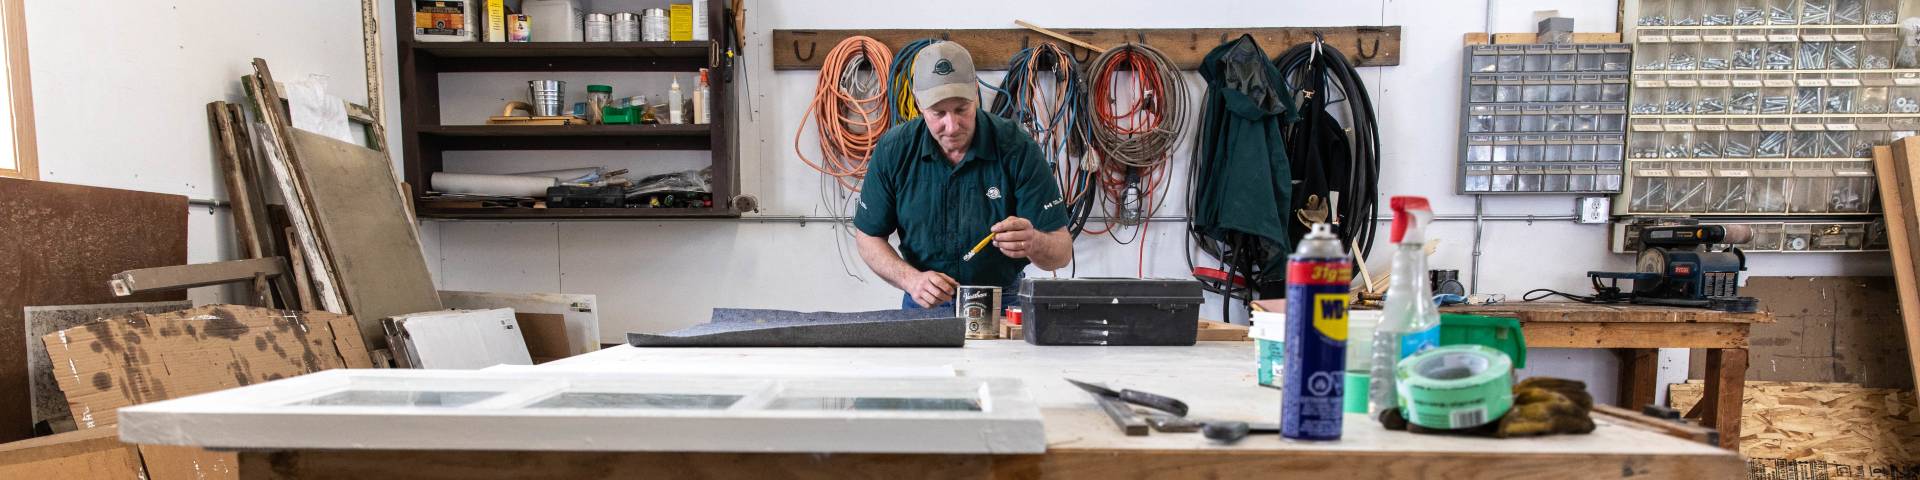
(1226, 432)
(1156, 402)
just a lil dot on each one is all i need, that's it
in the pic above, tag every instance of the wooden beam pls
(1634, 335)
(1726, 383)
(1895, 169)
(182, 277)
(992, 49)
(1057, 463)
(1678, 428)
(1531, 312)
(1639, 376)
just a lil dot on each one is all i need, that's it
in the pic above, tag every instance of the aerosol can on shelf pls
(1411, 322)
(1319, 285)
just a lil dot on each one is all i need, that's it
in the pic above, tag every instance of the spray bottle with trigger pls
(1411, 322)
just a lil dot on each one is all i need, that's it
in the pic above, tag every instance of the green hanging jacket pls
(1243, 185)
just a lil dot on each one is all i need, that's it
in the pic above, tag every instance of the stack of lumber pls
(333, 209)
(1834, 430)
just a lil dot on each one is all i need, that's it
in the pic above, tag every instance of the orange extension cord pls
(1136, 138)
(849, 126)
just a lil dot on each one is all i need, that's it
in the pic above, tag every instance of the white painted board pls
(580, 312)
(464, 339)
(582, 411)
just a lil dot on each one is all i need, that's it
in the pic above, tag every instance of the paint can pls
(1312, 391)
(653, 25)
(547, 96)
(599, 27)
(626, 27)
(981, 307)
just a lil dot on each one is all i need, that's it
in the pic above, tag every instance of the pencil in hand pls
(977, 247)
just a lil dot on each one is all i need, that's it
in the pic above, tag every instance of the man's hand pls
(931, 288)
(1014, 237)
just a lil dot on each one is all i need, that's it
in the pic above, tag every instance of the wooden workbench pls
(1636, 332)
(1216, 379)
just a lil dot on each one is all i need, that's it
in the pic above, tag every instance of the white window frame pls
(268, 415)
(13, 22)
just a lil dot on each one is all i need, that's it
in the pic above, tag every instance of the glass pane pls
(395, 398)
(874, 403)
(637, 400)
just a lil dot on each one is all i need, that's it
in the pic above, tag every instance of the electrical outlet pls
(1594, 209)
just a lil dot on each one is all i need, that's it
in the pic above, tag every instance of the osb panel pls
(139, 358)
(59, 244)
(1848, 430)
(1827, 329)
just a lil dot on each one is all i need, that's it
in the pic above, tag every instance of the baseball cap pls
(941, 71)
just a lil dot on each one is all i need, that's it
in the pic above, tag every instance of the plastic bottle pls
(702, 100)
(1411, 322)
(676, 114)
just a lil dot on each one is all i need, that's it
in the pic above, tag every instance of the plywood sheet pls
(65, 242)
(49, 404)
(370, 239)
(1846, 430)
(139, 358)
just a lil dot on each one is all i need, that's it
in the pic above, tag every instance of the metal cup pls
(547, 96)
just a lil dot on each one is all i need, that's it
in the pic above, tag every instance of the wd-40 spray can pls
(1312, 391)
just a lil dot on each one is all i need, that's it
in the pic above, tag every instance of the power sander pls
(1680, 267)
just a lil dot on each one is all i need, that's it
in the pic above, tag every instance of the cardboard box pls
(139, 358)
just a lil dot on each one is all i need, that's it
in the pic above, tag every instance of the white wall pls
(121, 92)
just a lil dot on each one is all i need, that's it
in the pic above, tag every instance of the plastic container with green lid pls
(1498, 333)
(599, 97)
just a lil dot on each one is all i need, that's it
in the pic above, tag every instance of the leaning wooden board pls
(68, 240)
(375, 250)
(1897, 196)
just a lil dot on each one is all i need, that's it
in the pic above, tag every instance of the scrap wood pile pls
(332, 209)
(1838, 424)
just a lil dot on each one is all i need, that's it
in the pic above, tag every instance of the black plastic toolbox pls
(1110, 311)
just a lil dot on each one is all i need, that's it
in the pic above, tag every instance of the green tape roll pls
(1456, 386)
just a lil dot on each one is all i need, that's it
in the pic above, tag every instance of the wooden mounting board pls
(992, 49)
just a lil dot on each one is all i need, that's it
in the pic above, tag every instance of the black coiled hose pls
(1328, 156)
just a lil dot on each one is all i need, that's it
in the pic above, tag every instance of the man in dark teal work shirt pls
(944, 181)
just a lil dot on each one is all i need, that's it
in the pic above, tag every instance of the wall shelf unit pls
(425, 140)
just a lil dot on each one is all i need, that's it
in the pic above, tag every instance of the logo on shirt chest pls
(993, 193)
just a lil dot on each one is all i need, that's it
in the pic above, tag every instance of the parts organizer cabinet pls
(1764, 107)
(425, 139)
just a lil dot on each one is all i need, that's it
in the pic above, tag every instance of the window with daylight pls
(17, 157)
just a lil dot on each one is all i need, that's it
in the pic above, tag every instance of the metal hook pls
(1140, 36)
(943, 37)
(1193, 40)
(1023, 42)
(811, 47)
(1223, 37)
(1071, 50)
(1364, 54)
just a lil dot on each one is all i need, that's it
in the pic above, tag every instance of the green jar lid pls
(600, 88)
